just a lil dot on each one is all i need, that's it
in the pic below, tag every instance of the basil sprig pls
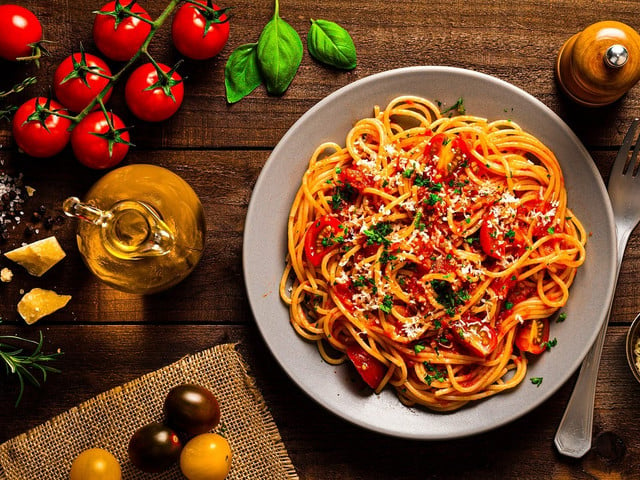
(279, 54)
(331, 44)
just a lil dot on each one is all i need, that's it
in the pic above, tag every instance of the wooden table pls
(109, 338)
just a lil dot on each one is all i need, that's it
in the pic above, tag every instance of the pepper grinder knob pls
(616, 56)
(599, 65)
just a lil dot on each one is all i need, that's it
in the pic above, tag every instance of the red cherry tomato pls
(478, 337)
(118, 35)
(322, 237)
(21, 31)
(198, 34)
(77, 92)
(38, 139)
(98, 146)
(533, 335)
(370, 368)
(152, 99)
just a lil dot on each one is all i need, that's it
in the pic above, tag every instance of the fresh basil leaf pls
(279, 54)
(242, 73)
(331, 44)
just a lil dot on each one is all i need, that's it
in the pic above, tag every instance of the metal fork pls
(573, 437)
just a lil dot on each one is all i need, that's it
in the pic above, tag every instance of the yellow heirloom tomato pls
(95, 464)
(206, 457)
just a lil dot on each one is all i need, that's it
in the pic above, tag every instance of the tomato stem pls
(155, 25)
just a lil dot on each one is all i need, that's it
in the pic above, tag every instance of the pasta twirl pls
(431, 251)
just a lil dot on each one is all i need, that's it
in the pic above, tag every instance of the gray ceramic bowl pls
(265, 248)
(632, 338)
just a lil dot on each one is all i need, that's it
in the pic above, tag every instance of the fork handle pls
(573, 437)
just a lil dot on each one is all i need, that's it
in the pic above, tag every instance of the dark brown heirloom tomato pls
(154, 448)
(191, 409)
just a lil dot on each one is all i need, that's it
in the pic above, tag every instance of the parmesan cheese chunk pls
(6, 275)
(39, 303)
(38, 257)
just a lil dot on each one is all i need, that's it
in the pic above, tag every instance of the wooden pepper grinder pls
(599, 65)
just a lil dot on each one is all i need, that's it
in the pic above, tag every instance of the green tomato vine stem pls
(144, 49)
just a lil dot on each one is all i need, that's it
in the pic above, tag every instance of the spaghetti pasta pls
(431, 251)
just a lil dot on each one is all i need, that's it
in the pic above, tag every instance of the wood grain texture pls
(321, 445)
(109, 338)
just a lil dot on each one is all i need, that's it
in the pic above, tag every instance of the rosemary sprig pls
(19, 87)
(6, 112)
(26, 365)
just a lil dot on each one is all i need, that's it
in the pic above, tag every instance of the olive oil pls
(142, 228)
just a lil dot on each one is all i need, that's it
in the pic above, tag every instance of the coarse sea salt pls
(12, 197)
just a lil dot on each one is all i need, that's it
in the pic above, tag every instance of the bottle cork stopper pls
(599, 65)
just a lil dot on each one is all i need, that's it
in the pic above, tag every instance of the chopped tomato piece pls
(323, 235)
(502, 286)
(344, 292)
(542, 213)
(533, 336)
(370, 368)
(447, 151)
(356, 178)
(473, 334)
(498, 240)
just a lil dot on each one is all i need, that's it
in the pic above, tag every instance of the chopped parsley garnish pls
(408, 172)
(447, 297)
(508, 305)
(378, 233)
(386, 257)
(428, 183)
(537, 381)
(434, 373)
(562, 317)
(387, 304)
(418, 348)
(432, 199)
(550, 344)
(343, 194)
(459, 106)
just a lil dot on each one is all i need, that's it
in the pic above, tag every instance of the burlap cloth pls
(109, 420)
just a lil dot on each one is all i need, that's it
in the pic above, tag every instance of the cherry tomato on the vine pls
(152, 97)
(99, 142)
(79, 79)
(21, 31)
(116, 33)
(38, 133)
(198, 33)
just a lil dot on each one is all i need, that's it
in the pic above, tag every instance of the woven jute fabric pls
(108, 421)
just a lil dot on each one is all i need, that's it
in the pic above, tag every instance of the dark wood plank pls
(110, 338)
(322, 445)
